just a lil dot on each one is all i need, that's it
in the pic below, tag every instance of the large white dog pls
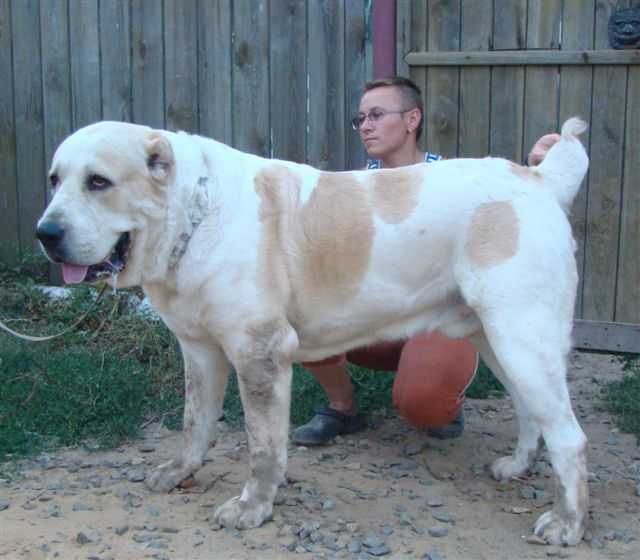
(261, 263)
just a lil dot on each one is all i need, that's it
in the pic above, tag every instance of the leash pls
(65, 331)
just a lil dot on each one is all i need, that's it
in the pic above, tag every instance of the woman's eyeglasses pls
(374, 116)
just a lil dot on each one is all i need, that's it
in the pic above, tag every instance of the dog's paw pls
(508, 467)
(238, 514)
(167, 477)
(557, 531)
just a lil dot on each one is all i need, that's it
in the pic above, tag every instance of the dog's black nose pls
(50, 235)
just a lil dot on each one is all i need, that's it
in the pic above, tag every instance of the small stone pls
(444, 517)
(4, 504)
(81, 506)
(354, 546)
(438, 531)
(386, 530)
(146, 448)
(413, 448)
(637, 490)
(371, 541)
(527, 492)
(91, 538)
(381, 550)
(137, 461)
(435, 502)
(136, 475)
(433, 554)
(518, 510)
(535, 539)
(328, 505)
(121, 530)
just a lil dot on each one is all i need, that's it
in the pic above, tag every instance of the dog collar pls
(198, 209)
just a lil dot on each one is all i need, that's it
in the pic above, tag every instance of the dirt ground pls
(389, 492)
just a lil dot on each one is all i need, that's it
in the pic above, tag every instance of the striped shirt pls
(428, 158)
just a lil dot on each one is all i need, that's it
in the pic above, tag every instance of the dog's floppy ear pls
(160, 159)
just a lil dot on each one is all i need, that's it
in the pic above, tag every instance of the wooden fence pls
(526, 66)
(274, 77)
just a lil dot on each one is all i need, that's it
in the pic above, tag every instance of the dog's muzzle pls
(50, 235)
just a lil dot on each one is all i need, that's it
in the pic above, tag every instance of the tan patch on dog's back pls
(493, 235)
(524, 172)
(394, 192)
(279, 192)
(335, 238)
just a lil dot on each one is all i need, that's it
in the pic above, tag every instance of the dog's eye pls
(54, 180)
(98, 183)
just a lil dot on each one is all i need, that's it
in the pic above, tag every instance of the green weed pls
(622, 398)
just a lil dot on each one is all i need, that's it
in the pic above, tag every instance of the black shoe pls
(452, 430)
(326, 424)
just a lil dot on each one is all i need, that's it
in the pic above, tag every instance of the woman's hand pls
(541, 147)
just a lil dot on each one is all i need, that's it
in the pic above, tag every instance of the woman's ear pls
(160, 159)
(413, 119)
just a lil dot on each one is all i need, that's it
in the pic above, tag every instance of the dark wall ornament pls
(624, 28)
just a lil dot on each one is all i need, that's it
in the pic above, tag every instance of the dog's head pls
(109, 194)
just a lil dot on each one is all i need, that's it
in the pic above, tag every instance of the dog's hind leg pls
(262, 358)
(206, 375)
(529, 436)
(531, 348)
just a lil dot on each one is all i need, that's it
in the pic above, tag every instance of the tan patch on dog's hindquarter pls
(493, 234)
(335, 237)
(524, 172)
(394, 192)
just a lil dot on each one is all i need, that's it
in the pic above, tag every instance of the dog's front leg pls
(264, 376)
(206, 375)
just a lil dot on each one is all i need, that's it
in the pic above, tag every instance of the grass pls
(622, 398)
(100, 383)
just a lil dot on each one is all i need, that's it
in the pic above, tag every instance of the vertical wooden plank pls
(86, 103)
(181, 65)
(54, 27)
(419, 39)
(403, 36)
(327, 117)
(542, 82)
(628, 296)
(575, 99)
(604, 199)
(443, 84)
(251, 77)
(147, 63)
(507, 82)
(27, 79)
(288, 99)
(115, 60)
(475, 83)
(9, 240)
(355, 77)
(214, 44)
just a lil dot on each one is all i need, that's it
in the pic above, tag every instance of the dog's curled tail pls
(566, 164)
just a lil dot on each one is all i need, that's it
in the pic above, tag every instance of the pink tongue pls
(73, 273)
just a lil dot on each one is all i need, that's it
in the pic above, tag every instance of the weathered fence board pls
(115, 61)
(443, 84)
(575, 99)
(628, 288)
(181, 65)
(603, 206)
(214, 44)
(327, 114)
(288, 79)
(507, 83)
(29, 122)
(251, 76)
(147, 64)
(8, 195)
(475, 83)
(84, 48)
